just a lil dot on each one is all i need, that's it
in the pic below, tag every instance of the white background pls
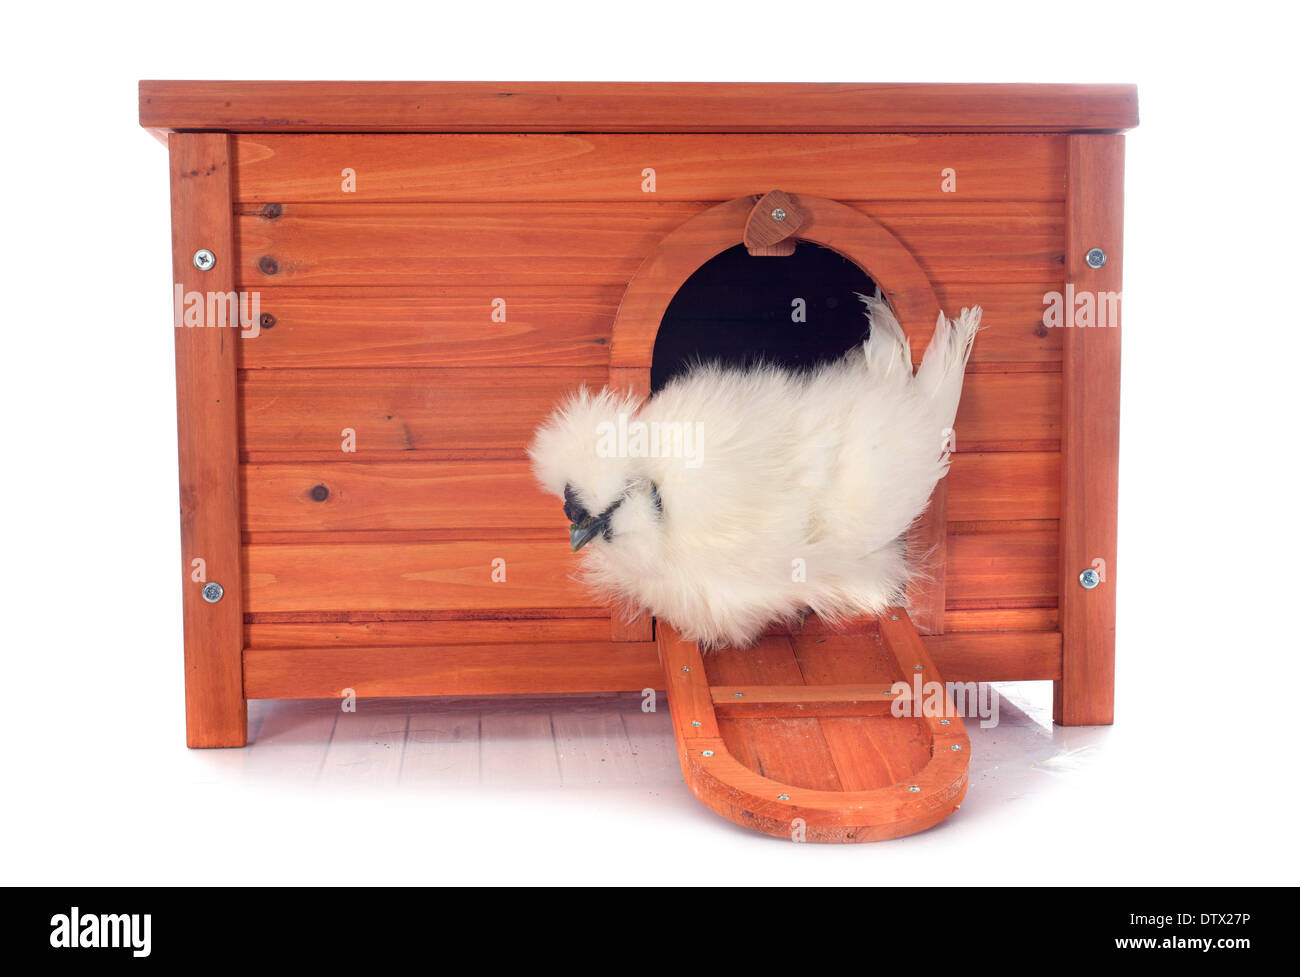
(1195, 784)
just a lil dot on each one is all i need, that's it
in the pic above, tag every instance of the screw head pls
(893, 617)
(738, 695)
(1089, 578)
(204, 259)
(686, 668)
(695, 722)
(945, 722)
(955, 747)
(213, 592)
(778, 215)
(782, 797)
(707, 753)
(1095, 257)
(917, 668)
(914, 789)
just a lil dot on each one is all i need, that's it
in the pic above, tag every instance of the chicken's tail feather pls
(944, 364)
(887, 351)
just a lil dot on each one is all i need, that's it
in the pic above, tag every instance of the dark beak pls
(581, 535)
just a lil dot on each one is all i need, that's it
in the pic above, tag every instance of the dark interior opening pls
(738, 310)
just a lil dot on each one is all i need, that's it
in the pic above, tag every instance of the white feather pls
(823, 471)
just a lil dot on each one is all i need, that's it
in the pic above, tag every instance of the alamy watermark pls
(131, 931)
(651, 439)
(946, 700)
(235, 310)
(1081, 309)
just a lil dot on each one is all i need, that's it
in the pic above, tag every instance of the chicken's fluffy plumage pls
(797, 495)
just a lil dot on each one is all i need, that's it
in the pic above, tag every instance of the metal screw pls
(738, 695)
(945, 722)
(686, 668)
(1089, 578)
(955, 746)
(695, 722)
(917, 668)
(778, 215)
(204, 259)
(1096, 257)
(893, 617)
(782, 797)
(212, 592)
(707, 753)
(915, 790)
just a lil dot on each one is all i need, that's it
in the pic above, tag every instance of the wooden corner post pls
(204, 266)
(1085, 693)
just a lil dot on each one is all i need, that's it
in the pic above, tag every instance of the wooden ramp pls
(796, 737)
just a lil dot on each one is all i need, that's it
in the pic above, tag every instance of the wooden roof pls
(335, 106)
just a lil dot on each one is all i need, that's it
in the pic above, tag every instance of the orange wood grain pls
(373, 106)
(370, 631)
(480, 669)
(343, 495)
(997, 656)
(450, 576)
(793, 751)
(368, 327)
(1009, 412)
(207, 431)
(1004, 485)
(1090, 440)
(283, 653)
(397, 414)
(358, 496)
(500, 245)
(1002, 569)
(1002, 619)
(639, 628)
(279, 168)
(560, 326)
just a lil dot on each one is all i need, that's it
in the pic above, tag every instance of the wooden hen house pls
(382, 288)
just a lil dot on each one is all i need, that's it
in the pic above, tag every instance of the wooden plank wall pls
(379, 303)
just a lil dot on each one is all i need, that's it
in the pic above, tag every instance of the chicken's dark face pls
(583, 526)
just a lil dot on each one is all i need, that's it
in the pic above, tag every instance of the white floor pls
(587, 789)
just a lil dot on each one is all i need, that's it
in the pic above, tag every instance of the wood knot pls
(319, 493)
(267, 265)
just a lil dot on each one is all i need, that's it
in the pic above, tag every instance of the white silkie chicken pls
(734, 498)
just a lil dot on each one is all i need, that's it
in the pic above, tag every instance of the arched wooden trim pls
(830, 224)
(833, 225)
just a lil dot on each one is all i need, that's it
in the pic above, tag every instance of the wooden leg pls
(1085, 693)
(207, 423)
